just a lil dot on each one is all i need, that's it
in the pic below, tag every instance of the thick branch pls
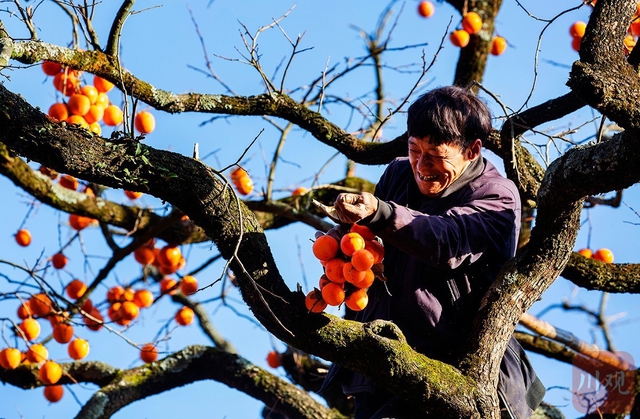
(54, 195)
(603, 78)
(567, 338)
(274, 104)
(270, 215)
(595, 275)
(276, 214)
(95, 372)
(550, 110)
(196, 363)
(387, 359)
(6, 46)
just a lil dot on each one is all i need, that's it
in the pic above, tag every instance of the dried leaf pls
(378, 271)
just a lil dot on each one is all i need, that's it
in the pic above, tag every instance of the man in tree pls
(449, 221)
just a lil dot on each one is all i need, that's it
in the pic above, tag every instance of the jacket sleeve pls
(486, 225)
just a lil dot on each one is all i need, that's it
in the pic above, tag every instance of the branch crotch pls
(384, 329)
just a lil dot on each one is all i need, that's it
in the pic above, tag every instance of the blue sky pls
(160, 45)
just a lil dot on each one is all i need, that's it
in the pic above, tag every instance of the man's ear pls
(473, 150)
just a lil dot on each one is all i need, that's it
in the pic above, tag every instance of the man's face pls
(435, 168)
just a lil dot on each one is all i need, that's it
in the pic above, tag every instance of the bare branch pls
(27, 18)
(595, 275)
(205, 323)
(113, 41)
(567, 338)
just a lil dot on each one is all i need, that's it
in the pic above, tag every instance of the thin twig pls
(536, 59)
(209, 66)
(274, 161)
(27, 18)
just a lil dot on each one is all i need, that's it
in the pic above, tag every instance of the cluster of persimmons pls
(349, 263)
(471, 24)
(70, 310)
(88, 105)
(348, 269)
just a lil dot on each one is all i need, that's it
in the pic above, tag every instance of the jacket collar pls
(473, 171)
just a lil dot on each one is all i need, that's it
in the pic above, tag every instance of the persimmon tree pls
(199, 202)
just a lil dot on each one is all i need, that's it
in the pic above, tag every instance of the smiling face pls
(436, 167)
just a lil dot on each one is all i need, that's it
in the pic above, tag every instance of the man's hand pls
(355, 207)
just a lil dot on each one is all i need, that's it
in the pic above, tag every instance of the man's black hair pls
(450, 114)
